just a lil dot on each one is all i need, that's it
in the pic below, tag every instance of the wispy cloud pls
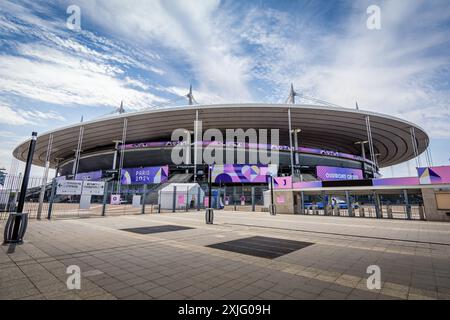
(398, 69)
(17, 117)
(54, 66)
(188, 28)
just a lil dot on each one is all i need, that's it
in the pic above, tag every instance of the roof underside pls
(328, 128)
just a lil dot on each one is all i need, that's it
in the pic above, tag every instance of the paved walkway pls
(414, 258)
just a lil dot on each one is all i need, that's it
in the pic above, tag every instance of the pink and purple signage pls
(434, 175)
(325, 173)
(280, 199)
(307, 184)
(145, 175)
(406, 181)
(243, 173)
(168, 144)
(282, 182)
(89, 176)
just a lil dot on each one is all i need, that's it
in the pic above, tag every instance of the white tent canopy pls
(182, 194)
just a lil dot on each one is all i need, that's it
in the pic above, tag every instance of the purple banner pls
(89, 176)
(323, 152)
(282, 182)
(243, 173)
(325, 173)
(407, 181)
(307, 184)
(145, 175)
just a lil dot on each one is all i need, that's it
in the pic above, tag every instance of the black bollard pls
(272, 207)
(209, 214)
(17, 222)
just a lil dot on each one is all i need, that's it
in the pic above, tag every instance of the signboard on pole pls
(147, 175)
(115, 199)
(69, 187)
(94, 188)
(136, 201)
(85, 201)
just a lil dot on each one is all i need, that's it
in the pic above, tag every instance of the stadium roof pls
(329, 128)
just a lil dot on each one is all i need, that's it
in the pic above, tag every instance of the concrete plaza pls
(414, 258)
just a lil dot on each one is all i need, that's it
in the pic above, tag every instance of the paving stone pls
(179, 265)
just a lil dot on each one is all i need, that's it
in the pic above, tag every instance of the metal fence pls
(125, 199)
(9, 193)
(397, 205)
(159, 198)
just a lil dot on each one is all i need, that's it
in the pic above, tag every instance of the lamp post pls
(17, 222)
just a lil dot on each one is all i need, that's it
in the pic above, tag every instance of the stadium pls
(321, 137)
(329, 161)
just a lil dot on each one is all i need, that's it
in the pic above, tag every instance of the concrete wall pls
(284, 200)
(431, 211)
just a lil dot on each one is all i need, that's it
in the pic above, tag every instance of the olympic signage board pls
(115, 199)
(94, 188)
(434, 175)
(69, 187)
(89, 176)
(147, 175)
(282, 182)
(336, 173)
(243, 173)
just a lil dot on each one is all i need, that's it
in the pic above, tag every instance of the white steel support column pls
(371, 149)
(197, 144)
(297, 154)
(122, 153)
(429, 157)
(45, 176)
(187, 159)
(76, 161)
(290, 142)
(116, 150)
(415, 147)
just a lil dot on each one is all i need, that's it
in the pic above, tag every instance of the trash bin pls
(15, 227)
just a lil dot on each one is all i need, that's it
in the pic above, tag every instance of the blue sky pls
(147, 52)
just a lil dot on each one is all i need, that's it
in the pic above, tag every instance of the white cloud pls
(12, 117)
(397, 70)
(189, 28)
(58, 81)
(17, 117)
(59, 68)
